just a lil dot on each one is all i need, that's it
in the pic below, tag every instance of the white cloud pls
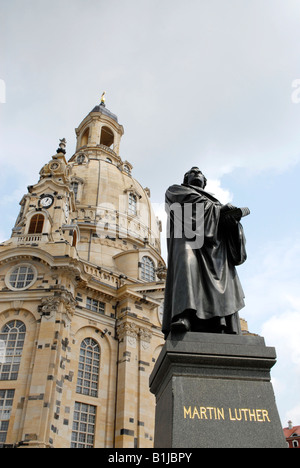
(283, 331)
(13, 197)
(214, 187)
(3, 237)
(271, 278)
(212, 82)
(2, 92)
(293, 414)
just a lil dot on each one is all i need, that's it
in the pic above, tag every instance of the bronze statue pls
(203, 292)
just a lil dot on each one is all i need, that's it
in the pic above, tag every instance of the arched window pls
(88, 368)
(74, 241)
(74, 186)
(107, 137)
(12, 338)
(148, 269)
(36, 224)
(126, 168)
(80, 158)
(85, 137)
(132, 204)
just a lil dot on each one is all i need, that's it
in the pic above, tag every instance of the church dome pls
(118, 226)
(102, 109)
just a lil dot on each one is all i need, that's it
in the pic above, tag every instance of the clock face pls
(46, 201)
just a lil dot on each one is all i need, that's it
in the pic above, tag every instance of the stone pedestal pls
(215, 391)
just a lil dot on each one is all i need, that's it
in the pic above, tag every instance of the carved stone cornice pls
(145, 335)
(133, 331)
(127, 329)
(51, 305)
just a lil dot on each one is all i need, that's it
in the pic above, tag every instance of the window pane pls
(88, 368)
(36, 224)
(148, 269)
(95, 306)
(83, 433)
(21, 277)
(6, 402)
(132, 204)
(11, 349)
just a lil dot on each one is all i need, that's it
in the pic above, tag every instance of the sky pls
(211, 83)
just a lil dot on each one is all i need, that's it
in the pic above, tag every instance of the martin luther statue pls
(203, 292)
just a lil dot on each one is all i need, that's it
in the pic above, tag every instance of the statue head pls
(195, 177)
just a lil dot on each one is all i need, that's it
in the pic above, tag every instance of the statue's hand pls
(227, 207)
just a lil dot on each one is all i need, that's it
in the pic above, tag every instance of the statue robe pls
(203, 279)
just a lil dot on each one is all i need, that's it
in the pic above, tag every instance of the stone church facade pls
(81, 289)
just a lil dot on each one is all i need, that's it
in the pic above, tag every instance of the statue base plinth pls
(214, 391)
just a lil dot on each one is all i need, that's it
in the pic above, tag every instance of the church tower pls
(81, 287)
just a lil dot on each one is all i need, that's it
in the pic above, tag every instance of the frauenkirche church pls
(81, 289)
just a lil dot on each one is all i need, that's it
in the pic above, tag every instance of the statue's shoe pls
(181, 325)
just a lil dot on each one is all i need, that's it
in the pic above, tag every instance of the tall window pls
(74, 241)
(75, 186)
(148, 269)
(81, 158)
(12, 337)
(6, 403)
(83, 430)
(107, 137)
(85, 137)
(132, 204)
(88, 368)
(126, 168)
(36, 224)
